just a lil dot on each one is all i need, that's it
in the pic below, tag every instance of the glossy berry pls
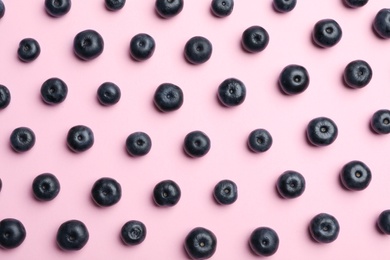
(383, 222)
(12, 233)
(133, 232)
(5, 97)
(380, 121)
(200, 243)
(138, 144)
(291, 184)
(80, 138)
(355, 175)
(46, 187)
(284, 6)
(54, 91)
(142, 47)
(294, 79)
(168, 97)
(231, 92)
(22, 139)
(166, 193)
(88, 45)
(2, 9)
(28, 50)
(196, 144)
(324, 228)
(222, 8)
(106, 192)
(198, 50)
(357, 74)
(169, 8)
(255, 39)
(259, 140)
(382, 23)
(72, 235)
(264, 241)
(327, 33)
(355, 3)
(225, 192)
(108, 94)
(321, 131)
(57, 8)
(114, 5)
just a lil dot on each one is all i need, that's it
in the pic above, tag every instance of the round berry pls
(5, 97)
(294, 79)
(169, 8)
(231, 92)
(355, 3)
(225, 192)
(284, 6)
(114, 5)
(198, 50)
(327, 33)
(291, 184)
(142, 47)
(138, 144)
(380, 121)
(108, 94)
(259, 140)
(382, 23)
(57, 8)
(355, 175)
(166, 193)
(200, 243)
(2, 9)
(324, 228)
(54, 91)
(133, 232)
(46, 187)
(321, 131)
(22, 139)
(222, 8)
(255, 39)
(80, 138)
(106, 192)
(88, 45)
(383, 222)
(72, 235)
(357, 74)
(12, 233)
(196, 144)
(264, 241)
(28, 50)
(168, 97)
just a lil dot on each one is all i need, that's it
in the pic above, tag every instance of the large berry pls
(200, 243)
(142, 46)
(12, 233)
(324, 228)
(222, 8)
(225, 192)
(88, 45)
(168, 97)
(291, 184)
(54, 91)
(382, 23)
(46, 187)
(166, 193)
(380, 121)
(231, 92)
(198, 50)
(22, 139)
(169, 8)
(197, 144)
(138, 144)
(255, 39)
(294, 79)
(322, 131)
(327, 33)
(80, 138)
(28, 50)
(106, 192)
(357, 74)
(5, 97)
(72, 235)
(264, 241)
(57, 8)
(133, 232)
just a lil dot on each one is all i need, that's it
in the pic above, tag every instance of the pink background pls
(285, 117)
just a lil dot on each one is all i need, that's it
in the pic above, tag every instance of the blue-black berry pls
(196, 144)
(12, 233)
(108, 94)
(88, 45)
(142, 46)
(259, 140)
(321, 131)
(5, 97)
(54, 91)
(382, 23)
(2, 9)
(225, 192)
(264, 241)
(294, 79)
(57, 8)
(28, 50)
(291, 184)
(133, 232)
(106, 192)
(355, 175)
(72, 235)
(198, 50)
(357, 74)
(169, 8)
(138, 144)
(222, 8)
(80, 138)
(114, 5)
(255, 39)
(200, 243)
(166, 193)
(46, 187)
(327, 33)
(168, 97)
(284, 6)
(355, 3)
(22, 139)
(383, 222)
(324, 228)
(380, 121)
(231, 92)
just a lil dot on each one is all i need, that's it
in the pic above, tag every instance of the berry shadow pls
(341, 183)
(310, 236)
(314, 43)
(184, 251)
(248, 244)
(376, 226)
(376, 33)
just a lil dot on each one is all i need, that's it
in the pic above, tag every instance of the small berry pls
(355, 175)
(114, 5)
(196, 144)
(169, 8)
(2, 9)
(72, 235)
(133, 232)
(259, 140)
(225, 192)
(222, 8)
(106, 192)
(138, 144)
(80, 138)
(355, 3)
(166, 193)
(291, 184)
(57, 8)
(383, 222)
(380, 121)
(324, 228)
(255, 39)
(327, 33)
(284, 6)
(264, 241)
(231, 92)
(54, 91)
(382, 23)
(294, 79)
(322, 131)
(5, 97)
(198, 50)
(168, 97)
(12, 233)
(200, 243)
(108, 94)
(22, 139)
(28, 50)
(142, 47)
(46, 187)
(357, 74)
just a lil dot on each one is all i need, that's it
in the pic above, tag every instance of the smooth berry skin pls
(166, 193)
(357, 74)
(106, 192)
(327, 33)
(22, 139)
(284, 6)
(264, 241)
(222, 8)
(324, 228)
(198, 50)
(138, 144)
(168, 97)
(5, 97)
(231, 92)
(321, 131)
(294, 79)
(54, 91)
(108, 94)
(225, 192)
(133, 232)
(80, 138)
(12, 233)
(28, 50)
(291, 184)
(142, 47)
(255, 39)
(196, 144)
(380, 121)
(259, 140)
(200, 243)
(114, 5)
(45, 187)
(355, 3)
(88, 45)
(169, 8)
(382, 23)
(57, 8)
(2, 9)
(355, 175)
(72, 235)
(383, 222)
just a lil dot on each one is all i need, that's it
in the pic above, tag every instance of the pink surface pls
(285, 117)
